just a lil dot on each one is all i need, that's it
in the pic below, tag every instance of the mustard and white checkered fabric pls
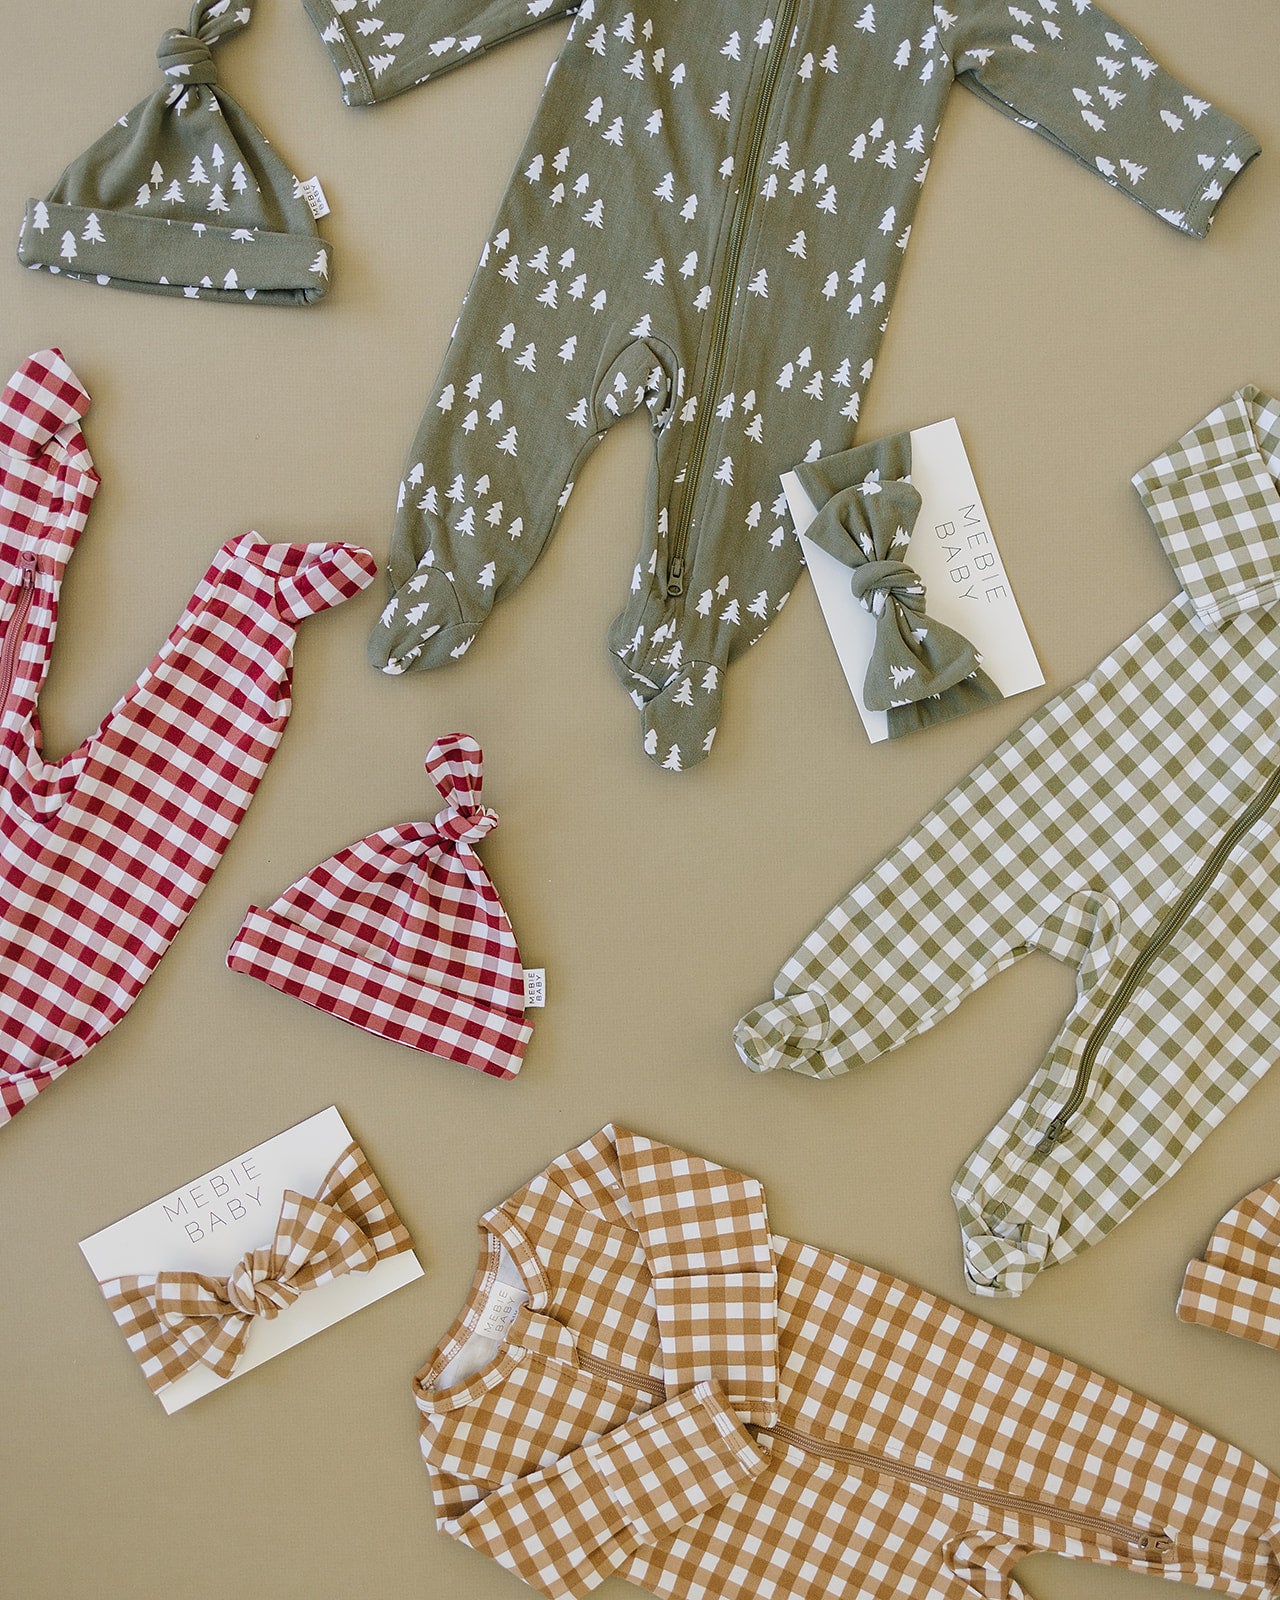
(912, 1450)
(1236, 1286)
(176, 1320)
(1080, 836)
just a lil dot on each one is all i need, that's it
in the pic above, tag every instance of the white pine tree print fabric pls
(707, 223)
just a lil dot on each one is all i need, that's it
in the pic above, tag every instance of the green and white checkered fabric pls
(1214, 501)
(1078, 836)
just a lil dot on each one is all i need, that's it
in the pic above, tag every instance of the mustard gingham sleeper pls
(708, 222)
(646, 1382)
(1129, 828)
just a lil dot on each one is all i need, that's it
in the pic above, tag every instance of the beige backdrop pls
(1071, 334)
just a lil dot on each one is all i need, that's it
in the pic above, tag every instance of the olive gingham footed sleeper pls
(1128, 828)
(646, 1382)
(708, 221)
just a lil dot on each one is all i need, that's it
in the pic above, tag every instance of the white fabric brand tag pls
(535, 987)
(499, 1311)
(313, 194)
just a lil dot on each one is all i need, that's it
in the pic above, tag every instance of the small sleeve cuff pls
(1239, 503)
(1215, 504)
(722, 1327)
(677, 1461)
(789, 1031)
(354, 73)
(1216, 1297)
(42, 398)
(1236, 148)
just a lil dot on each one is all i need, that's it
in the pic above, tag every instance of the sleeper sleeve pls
(1012, 859)
(705, 1236)
(565, 1528)
(406, 42)
(1075, 75)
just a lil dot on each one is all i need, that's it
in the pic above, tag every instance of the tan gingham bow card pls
(248, 1260)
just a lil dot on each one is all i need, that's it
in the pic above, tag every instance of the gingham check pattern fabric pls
(174, 1321)
(103, 853)
(1108, 831)
(1215, 504)
(1236, 1286)
(403, 933)
(913, 1450)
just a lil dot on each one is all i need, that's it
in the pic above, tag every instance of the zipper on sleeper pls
(1167, 928)
(28, 566)
(678, 542)
(620, 1376)
(1150, 1542)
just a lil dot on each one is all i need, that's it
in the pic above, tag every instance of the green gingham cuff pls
(788, 1031)
(1215, 503)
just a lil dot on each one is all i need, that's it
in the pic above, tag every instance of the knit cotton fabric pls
(183, 195)
(1235, 1286)
(706, 227)
(403, 933)
(647, 1383)
(1129, 829)
(921, 672)
(105, 852)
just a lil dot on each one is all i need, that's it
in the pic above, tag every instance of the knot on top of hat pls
(185, 58)
(465, 824)
(873, 583)
(455, 763)
(184, 54)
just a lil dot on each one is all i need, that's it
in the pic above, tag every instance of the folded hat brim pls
(157, 255)
(381, 999)
(1215, 1296)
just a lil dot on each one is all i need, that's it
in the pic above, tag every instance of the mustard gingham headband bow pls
(175, 1321)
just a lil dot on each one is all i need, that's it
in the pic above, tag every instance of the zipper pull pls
(1155, 1544)
(29, 565)
(1051, 1136)
(675, 575)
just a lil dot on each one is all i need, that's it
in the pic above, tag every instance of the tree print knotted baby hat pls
(403, 934)
(183, 195)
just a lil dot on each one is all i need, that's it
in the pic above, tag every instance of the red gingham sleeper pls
(103, 853)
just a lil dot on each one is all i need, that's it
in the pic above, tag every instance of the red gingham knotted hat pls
(403, 933)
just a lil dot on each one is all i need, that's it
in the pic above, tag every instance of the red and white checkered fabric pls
(103, 853)
(403, 933)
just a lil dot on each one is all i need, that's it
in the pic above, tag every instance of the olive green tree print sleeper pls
(707, 221)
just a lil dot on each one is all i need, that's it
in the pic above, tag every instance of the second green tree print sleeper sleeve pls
(1089, 86)
(706, 226)
(1129, 828)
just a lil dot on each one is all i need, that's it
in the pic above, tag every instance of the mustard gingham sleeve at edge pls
(1082, 80)
(564, 1529)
